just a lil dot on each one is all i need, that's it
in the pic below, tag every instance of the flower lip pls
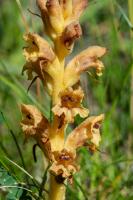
(70, 101)
(70, 104)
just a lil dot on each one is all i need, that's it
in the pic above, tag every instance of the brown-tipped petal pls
(72, 32)
(78, 7)
(87, 59)
(55, 15)
(88, 131)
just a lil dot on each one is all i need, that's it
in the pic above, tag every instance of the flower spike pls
(47, 60)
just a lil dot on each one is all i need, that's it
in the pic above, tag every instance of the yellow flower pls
(35, 125)
(87, 59)
(70, 105)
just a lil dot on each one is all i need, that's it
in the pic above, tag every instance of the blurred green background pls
(109, 173)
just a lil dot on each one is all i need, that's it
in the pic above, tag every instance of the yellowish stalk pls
(57, 190)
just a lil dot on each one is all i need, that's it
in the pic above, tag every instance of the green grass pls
(107, 174)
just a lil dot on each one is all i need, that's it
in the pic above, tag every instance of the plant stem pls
(57, 190)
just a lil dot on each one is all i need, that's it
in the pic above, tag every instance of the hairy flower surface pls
(70, 105)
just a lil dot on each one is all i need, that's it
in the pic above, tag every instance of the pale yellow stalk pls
(57, 190)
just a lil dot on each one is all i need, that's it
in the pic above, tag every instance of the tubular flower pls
(35, 125)
(87, 59)
(86, 134)
(70, 105)
(52, 17)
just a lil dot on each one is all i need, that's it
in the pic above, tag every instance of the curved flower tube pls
(87, 59)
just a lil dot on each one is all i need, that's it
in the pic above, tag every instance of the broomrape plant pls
(62, 81)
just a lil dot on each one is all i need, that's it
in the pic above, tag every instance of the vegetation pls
(108, 173)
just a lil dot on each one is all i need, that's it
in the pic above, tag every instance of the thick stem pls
(57, 190)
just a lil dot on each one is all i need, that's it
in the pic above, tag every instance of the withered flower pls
(70, 105)
(38, 54)
(87, 59)
(35, 125)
